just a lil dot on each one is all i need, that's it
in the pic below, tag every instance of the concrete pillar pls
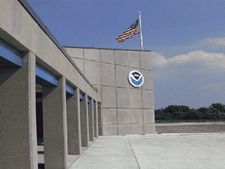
(18, 140)
(84, 122)
(91, 119)
(100, 130)
(55, 126)
(73, 123)
(96, 119)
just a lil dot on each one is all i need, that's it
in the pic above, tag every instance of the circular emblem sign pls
(135, 78)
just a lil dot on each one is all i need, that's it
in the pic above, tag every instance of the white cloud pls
(195, 78)
(158, 59)
(216, 41)
(212, 44)
(190, 61)
(212, 60)
(215, 86)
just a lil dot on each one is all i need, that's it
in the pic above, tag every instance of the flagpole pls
(141, 36)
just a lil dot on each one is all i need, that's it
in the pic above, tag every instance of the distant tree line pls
(182, 113)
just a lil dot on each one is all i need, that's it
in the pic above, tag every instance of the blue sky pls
(187, 38)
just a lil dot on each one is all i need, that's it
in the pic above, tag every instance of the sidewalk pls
(165, 151)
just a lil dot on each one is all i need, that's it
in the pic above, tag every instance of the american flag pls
(132, 30)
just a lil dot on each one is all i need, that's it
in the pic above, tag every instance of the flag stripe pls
(128, 35)
(132, 30)
(124, 37)
(136, 30)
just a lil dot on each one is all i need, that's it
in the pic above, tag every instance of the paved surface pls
(191, 127)
(164, 151)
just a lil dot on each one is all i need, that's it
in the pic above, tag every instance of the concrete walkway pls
(165, 151)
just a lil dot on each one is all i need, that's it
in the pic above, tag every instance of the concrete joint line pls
(133, 153)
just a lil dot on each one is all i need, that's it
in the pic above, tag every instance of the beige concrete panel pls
(129, 98)
(14, 18)
(21, 27)
(148, 101)
(149, 128)
(136, 116)
(92, 54)
(135, 98)
(109, 130)
(108, 74)
(49, 53)
(121, 57)
(99, 92)
(134, 59)
(6, 14)
(79, 63)
(149, 115)
(92, 71)
(148, 77)
(75, 52)
(71, 73)
(107, 56)
(124, 116)
(146, 60)
(123, 97)
(109, 116)
(137, 128)
(122, 76)
(108, 97)
(124, 129)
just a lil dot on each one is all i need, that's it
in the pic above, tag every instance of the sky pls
(187, 39)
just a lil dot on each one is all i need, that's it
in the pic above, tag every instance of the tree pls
(202, 113)
(215, 111)
(218, 110)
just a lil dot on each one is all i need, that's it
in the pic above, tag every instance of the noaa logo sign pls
(135, 78)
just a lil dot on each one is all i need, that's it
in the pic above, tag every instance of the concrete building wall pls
(32, 61)
(19, 29)
(99, 75)
(125, 109)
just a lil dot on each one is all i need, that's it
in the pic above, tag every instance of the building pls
(56, 100)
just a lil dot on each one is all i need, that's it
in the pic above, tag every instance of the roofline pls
(37, 19)
(138, 50)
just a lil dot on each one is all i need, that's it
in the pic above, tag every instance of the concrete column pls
(18, 140)
(91, 119)
(96, 119)
(100, 131)
(84, 122)
(73, 123)
(55, 126)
